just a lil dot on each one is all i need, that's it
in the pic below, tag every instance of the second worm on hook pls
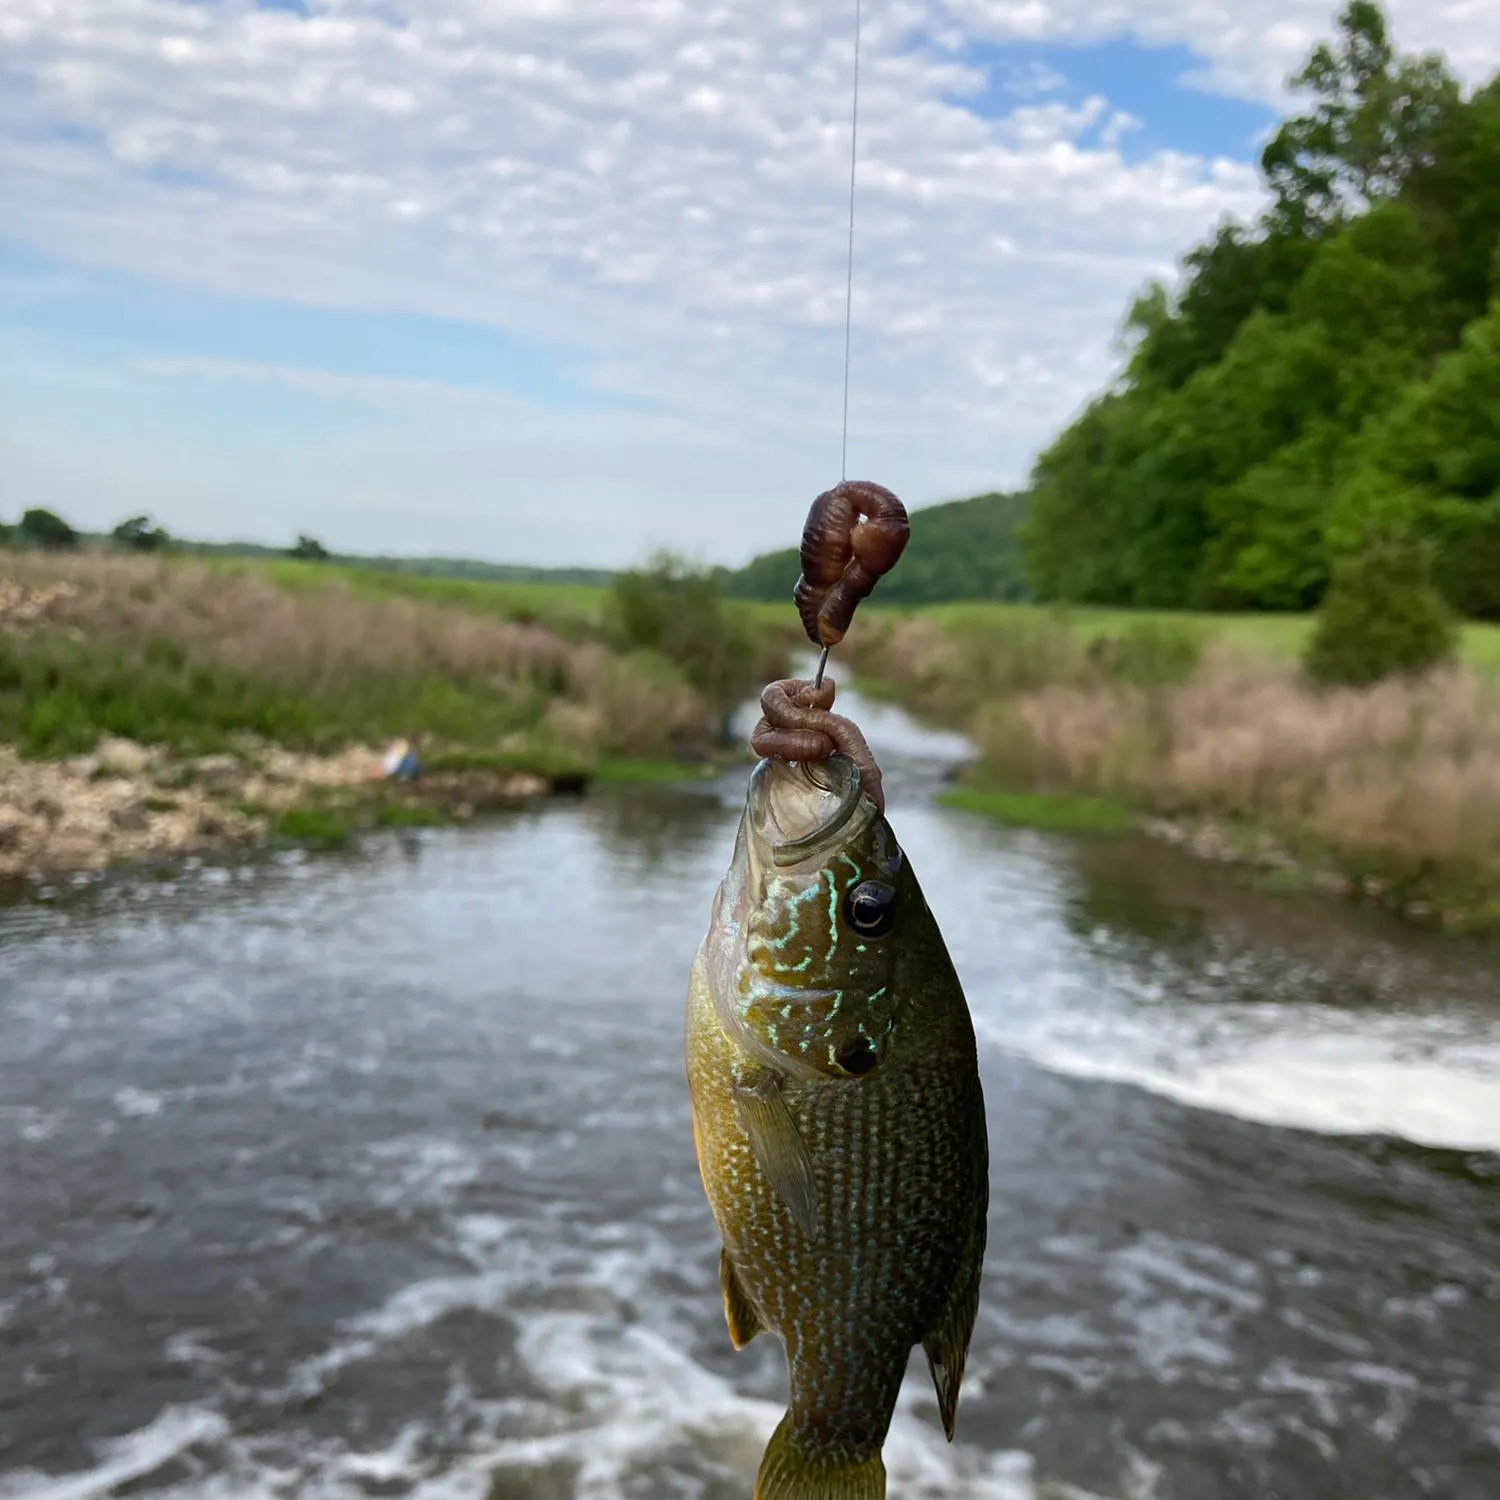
(797, 723)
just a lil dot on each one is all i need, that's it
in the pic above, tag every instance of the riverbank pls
(125, 801)
(170, 706)
(1388, 794)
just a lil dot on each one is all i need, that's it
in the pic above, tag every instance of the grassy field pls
(1280, 637)
(575, 611)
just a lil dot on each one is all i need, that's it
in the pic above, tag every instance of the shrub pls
(140, 534)
(680, 612)
(1149, 653)
(40, 528)
(1381, 617)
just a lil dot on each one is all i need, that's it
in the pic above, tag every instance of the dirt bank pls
(127, 801)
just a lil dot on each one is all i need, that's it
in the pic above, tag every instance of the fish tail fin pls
(788, 1473)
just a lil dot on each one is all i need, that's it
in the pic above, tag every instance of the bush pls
(40, 528)
(1149, 653)
(680, 612)
(1381, 617)
(140, 534)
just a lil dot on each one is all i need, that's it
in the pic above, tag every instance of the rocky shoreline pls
(126, 801)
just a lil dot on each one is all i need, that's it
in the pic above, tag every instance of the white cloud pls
(661, 183)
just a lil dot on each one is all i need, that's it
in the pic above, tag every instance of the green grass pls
(547, 761)
(59, 695)
(1277, 635)
(572, 609)
(1049, 813)
(406, 815)
(325, 827)
(627, 772)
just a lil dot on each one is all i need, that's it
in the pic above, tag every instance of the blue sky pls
(114, 320)
(1154, 84)
(565, 285)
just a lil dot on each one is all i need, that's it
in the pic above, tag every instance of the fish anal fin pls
(947, 1345)
(788, 1473)
(739, 1311)
(779, 1149)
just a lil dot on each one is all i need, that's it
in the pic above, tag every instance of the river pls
(371, 1175)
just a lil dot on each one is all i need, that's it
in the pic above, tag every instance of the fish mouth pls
(799, 808)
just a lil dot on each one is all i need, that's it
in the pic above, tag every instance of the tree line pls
(1323, 379)
(46, 531)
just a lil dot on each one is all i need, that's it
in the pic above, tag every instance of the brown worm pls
(855, 534)
(796, 724)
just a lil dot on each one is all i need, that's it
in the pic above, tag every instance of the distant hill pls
(964, 549)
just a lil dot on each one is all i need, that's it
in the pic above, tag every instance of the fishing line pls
(848, 280)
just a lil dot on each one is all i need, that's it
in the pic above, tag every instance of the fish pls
(838, 1119)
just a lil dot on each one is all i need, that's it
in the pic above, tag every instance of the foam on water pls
(1414, 1078)
(605, 1402)
(175, 1431)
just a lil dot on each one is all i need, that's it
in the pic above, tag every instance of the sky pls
(562, 281)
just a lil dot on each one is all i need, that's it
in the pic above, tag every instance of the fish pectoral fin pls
(947, 1345)
(778, 1145)
(739, 1311)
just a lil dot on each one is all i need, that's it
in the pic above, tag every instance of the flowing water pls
(372, 1176)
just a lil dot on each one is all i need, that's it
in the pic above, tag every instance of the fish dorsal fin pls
(739, 1311)
(778, 1145)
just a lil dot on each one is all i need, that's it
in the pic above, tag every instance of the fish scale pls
(851, 1208)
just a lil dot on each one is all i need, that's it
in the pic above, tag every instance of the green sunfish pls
(839, 1122)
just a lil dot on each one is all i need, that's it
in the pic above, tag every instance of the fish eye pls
(870, 908)
(857, 1056)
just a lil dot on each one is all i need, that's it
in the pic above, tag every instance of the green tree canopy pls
(1327, 367)
(140, 534)
(41, 528)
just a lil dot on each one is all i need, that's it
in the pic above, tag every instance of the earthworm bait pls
(855, 534)
(796, 724)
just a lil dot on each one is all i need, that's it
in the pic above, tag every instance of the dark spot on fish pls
(870, 908)
(857, 1056)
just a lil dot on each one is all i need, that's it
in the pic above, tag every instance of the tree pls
(41, 528)
(1329, 370)
(1375, 120)
(1433, 467)
(140, 534)
(309, 548)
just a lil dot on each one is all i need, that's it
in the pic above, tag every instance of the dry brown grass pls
(1400, 781)
(315, 637)
(179, 650)
(1404, 775)
(945, 673)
